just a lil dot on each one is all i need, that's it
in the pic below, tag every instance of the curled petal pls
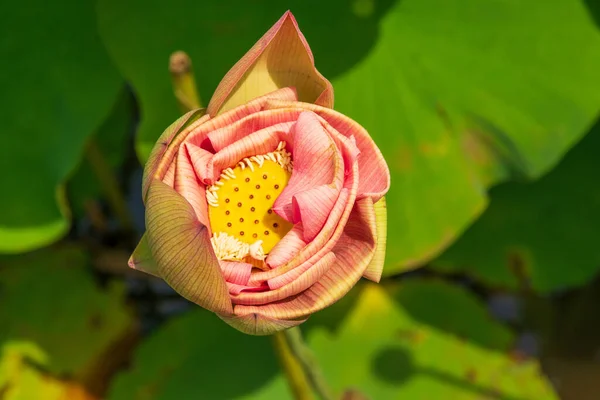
(374, 172)
(181, 246)
(317, 163)
(375, 267)
(236, 272)
(287, 247)
(299, 280)
(158, 162)
(327, 237)
(187, 184)
(313, 206)
(281, 58)
(142, 260)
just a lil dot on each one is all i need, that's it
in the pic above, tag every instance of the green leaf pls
(462, 94)
(58, 85)
(198, 356)
(112, 140)
(458, 94)
(423, 340)
(386, 344)
(55, 304)
(544, 233)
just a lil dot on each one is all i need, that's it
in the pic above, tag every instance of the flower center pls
(240, 206)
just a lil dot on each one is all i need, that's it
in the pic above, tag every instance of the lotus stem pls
(300, 366)
(292, 368)
(184, 83)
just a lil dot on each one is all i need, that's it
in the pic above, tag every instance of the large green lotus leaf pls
(459, 94)
(58, 84)
(49, 298)
(423, 340)
(111, 141)
(543, 234)
(198, 356)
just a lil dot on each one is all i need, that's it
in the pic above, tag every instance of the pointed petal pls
(142, 260)
(374, 172)
(281, 58)
(181, 246)
(353, 252)
(257, 324)
(160, 158)
(375, 267)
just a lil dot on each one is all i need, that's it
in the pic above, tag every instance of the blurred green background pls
(486, 111)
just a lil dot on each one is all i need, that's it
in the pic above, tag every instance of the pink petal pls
(282, 289)
(169, 177)
(312, 207)
(287, 247)
(235, 289)
(202, 162)
(188, 185)
(236, 272)
(260, 142)
(198, 136)
(374, 172)
(317, 162)
(231, 133)
(281, 58)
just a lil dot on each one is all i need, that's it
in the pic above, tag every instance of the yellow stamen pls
(240, 206)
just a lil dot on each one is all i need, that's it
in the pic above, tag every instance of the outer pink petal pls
(166, 147)
(142, 259)
(260, 325)
(181, 247)
(353, 251)
(374, 172)
(281, 58)
(375, 267)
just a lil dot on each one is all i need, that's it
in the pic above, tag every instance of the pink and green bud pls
(267, 206)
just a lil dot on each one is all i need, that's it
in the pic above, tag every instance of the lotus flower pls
(267, 206)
